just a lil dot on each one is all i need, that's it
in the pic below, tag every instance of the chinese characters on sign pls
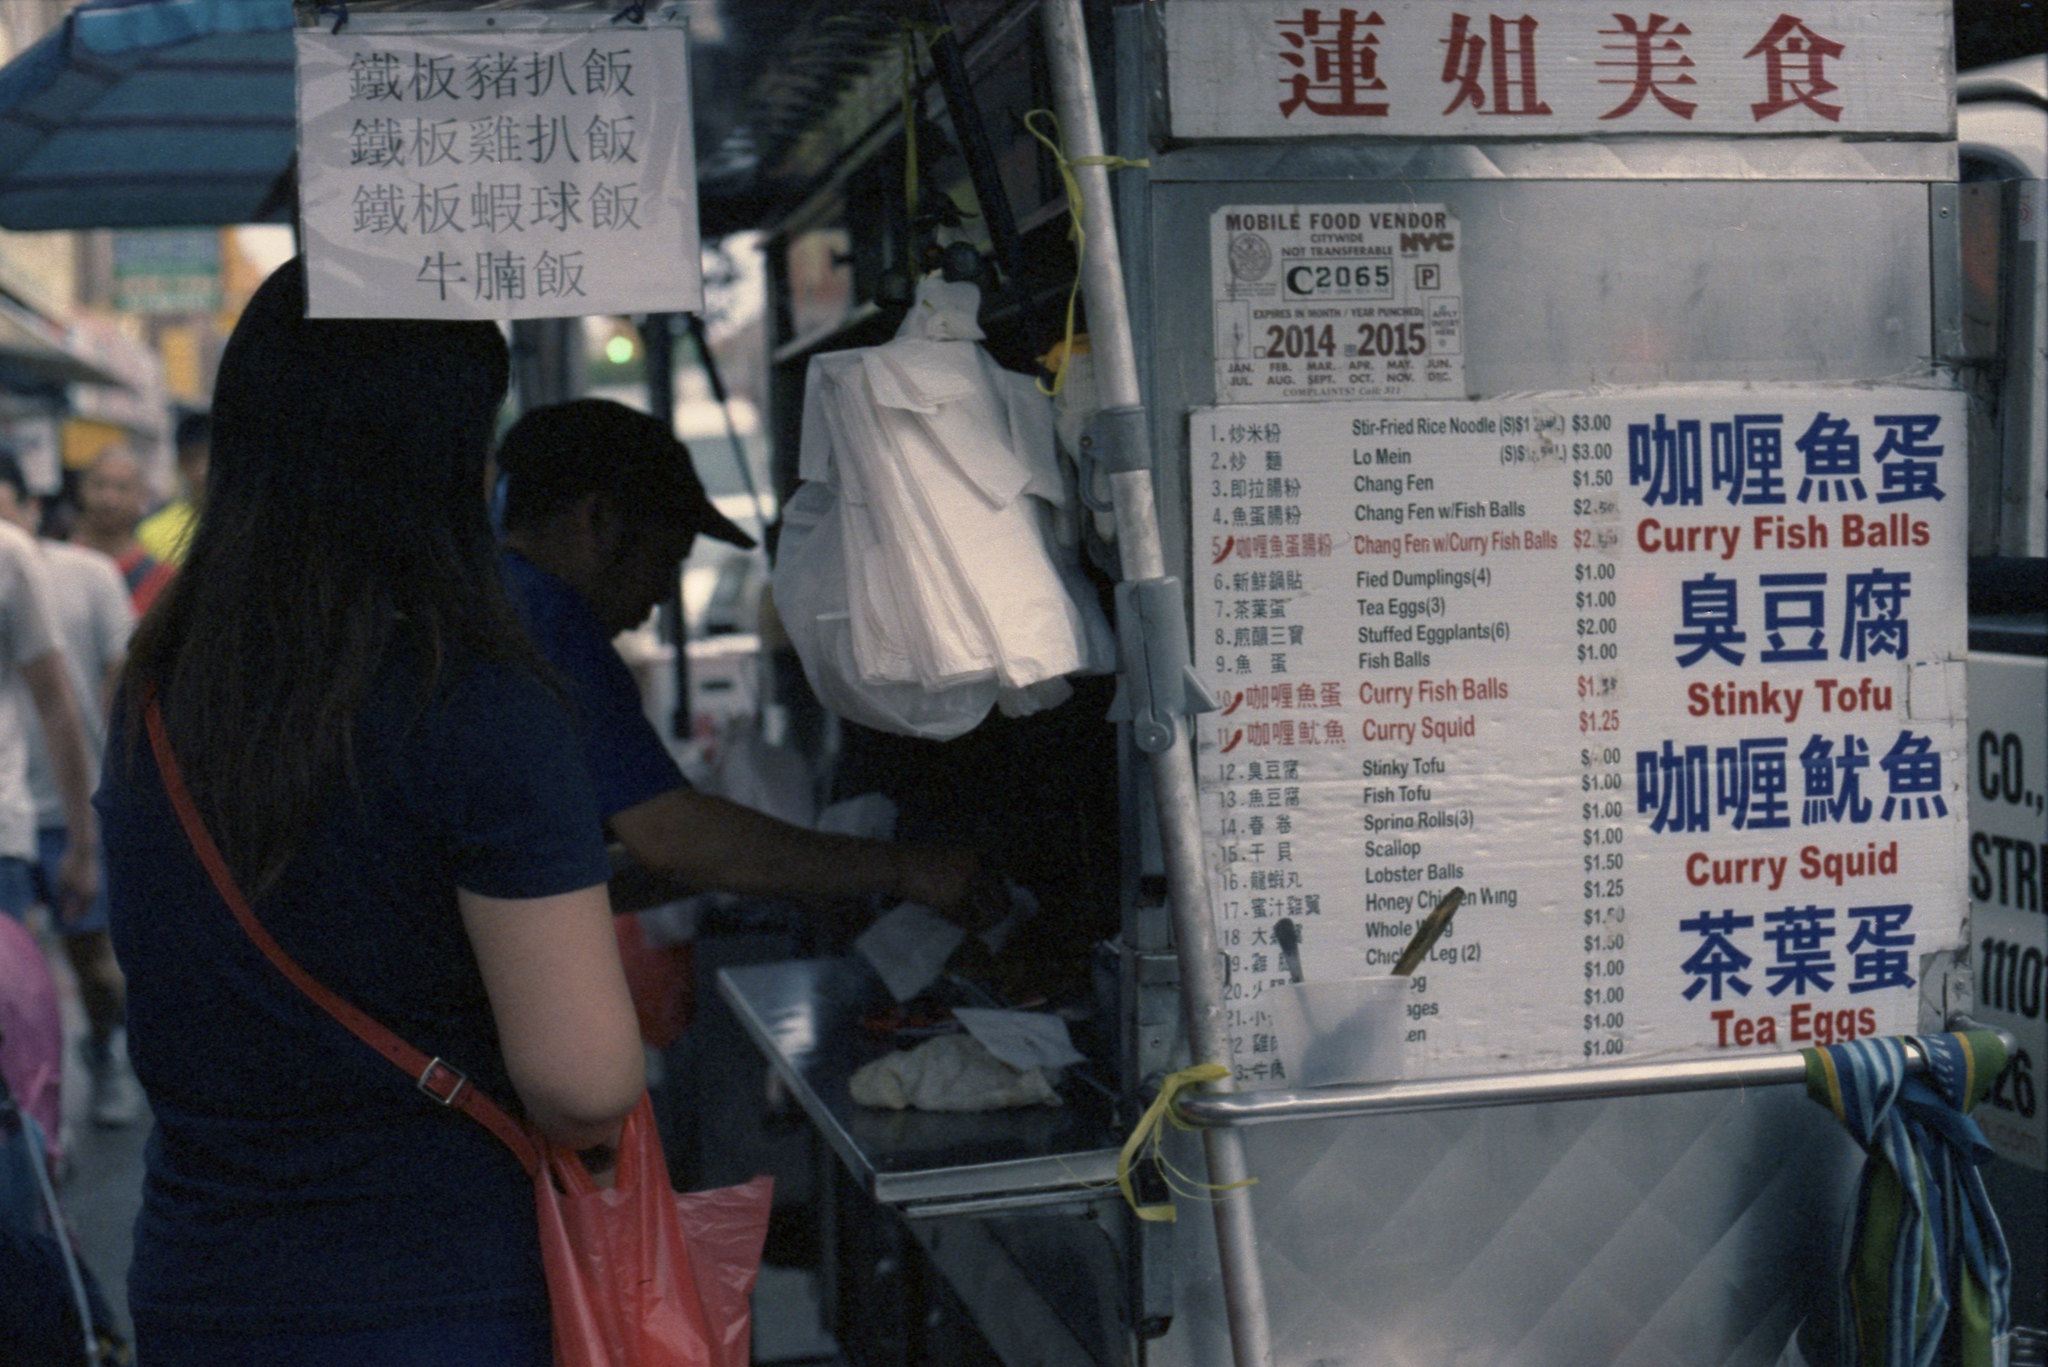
(1547, 68)
(1336, 301)
(1635, 671)
(509, 174)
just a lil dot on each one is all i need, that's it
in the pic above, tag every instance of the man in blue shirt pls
(601, 507)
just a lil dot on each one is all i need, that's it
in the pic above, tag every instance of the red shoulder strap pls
(438, 1080)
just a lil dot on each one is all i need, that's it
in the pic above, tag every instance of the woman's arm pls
(558, 995)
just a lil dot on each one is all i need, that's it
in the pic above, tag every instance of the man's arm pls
(706, 843)
(64, 737)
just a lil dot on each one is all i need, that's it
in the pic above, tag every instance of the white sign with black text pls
(2008, 874)
(508, 172)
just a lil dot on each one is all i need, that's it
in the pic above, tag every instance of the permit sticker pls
(1315, 302)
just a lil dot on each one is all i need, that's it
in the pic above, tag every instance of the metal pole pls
(1173, 771)
(695, 322)
(972, 134)
(1516, 1089)
(658, 340)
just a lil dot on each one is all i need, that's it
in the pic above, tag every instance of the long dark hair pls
(345, 505)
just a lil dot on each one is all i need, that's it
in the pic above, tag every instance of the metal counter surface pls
(805, 1016)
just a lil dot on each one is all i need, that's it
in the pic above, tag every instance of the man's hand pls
(954, 881)
(78, 882)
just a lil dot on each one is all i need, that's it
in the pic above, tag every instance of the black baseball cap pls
(556, 455)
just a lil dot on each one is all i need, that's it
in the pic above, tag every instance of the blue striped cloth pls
(1929, 1279)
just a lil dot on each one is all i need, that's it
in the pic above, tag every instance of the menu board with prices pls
(1669, 682)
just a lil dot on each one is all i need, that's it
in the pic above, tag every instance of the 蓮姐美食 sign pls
(1557, 68)
(1669, 682)
(540, 166)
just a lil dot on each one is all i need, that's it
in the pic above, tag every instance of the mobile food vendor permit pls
(1337, 301)
(1669, 682)
(498, 166)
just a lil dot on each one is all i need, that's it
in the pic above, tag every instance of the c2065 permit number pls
(1353, 279)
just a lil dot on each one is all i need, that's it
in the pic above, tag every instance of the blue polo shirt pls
(624, 755)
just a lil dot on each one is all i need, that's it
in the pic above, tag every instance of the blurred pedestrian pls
(373, 745)
(29, 653)
(92, 621)
(166, 532)
(112, 498)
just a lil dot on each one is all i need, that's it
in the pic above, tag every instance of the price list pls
(1664, 681)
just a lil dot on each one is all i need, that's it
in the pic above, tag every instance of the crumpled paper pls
(949, 1073)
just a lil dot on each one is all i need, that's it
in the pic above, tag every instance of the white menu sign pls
(514, 173)
(1557, 68)
(1669, 682)
(1336, 301)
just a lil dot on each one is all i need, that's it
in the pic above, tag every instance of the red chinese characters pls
(1335, 64)
(1350, 64)
(1653, 64)
(1512, 71)
(1794, 58)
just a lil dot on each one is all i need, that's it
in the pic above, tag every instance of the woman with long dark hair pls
(397, 790)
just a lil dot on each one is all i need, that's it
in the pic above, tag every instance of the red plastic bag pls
(662, 980)
(726, 1228)
(630, 1281)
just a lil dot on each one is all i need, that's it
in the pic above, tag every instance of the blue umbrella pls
(151, 113)
(180, 113)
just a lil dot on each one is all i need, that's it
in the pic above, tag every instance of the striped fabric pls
(1928, 1278)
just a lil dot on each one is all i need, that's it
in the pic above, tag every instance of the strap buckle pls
(443, 1082)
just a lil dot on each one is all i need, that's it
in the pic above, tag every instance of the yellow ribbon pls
(1076, 233)
(1144, 1144)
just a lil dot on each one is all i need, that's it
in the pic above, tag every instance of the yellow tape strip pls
(1077, 233)
(1144, 1144)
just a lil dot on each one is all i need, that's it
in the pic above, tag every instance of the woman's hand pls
(601, 1161)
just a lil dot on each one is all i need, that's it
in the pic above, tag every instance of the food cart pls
(1410, 310)
(1539, 444)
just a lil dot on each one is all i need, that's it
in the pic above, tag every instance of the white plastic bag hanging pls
(945, 481)
(810, 595)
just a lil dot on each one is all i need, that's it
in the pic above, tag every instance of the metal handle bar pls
(1211, 1110)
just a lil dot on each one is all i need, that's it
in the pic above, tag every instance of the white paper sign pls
(509, 174)
(1667, 681)
(2008, 876)
(1336, 301)
(1554, 68)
